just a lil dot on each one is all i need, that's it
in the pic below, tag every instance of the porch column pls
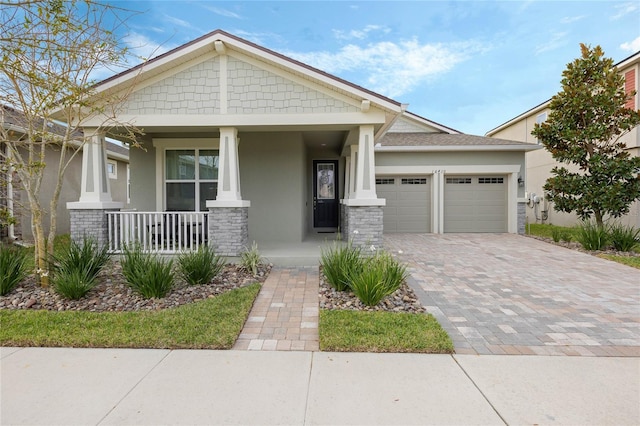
(362, 217)
(228, 213)
(88, 214)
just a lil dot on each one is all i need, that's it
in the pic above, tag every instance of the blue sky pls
(470, 65)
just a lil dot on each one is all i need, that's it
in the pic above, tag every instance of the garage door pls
(408, 206)
(475, 204)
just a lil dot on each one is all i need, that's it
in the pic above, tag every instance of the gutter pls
(444, 148)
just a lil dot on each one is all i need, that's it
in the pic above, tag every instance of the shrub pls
(566, 236)
(592, 236)
(624, 238)
(146, 273)
(200, 267)
(556, 234)
(76, 267)
(13, 264)
(339, 264)
(381, 275)
(251, 260)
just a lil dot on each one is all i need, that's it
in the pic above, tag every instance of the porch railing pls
(165, 232)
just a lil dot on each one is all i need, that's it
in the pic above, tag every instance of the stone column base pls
(362, 226)
(90, 223)
(522, 217)
(229, 230)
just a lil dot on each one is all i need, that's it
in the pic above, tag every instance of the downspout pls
(11, 230)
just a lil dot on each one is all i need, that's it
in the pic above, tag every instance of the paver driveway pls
(510, 294)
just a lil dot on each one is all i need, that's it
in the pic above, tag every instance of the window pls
(414, 181)
(385, 181)
(112, 169)
(490, 180)
(459, 180)
(540, 118)
(191, 178)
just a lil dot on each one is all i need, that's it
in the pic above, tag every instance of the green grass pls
(625, 260)
(209, 324)
(360, 331)
(545, 230)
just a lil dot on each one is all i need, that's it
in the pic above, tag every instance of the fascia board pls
(457, 148)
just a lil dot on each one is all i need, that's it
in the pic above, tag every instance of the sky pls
(470, 65)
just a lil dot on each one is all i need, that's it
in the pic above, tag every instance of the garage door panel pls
(408, 204)
(475, 204)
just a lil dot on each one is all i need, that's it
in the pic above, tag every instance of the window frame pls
(112, 174)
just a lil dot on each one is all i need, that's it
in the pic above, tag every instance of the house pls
(14, 199)
(540, 162)
(244, 144)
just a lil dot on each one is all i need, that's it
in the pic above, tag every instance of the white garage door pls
(408, 206)
(475, 204)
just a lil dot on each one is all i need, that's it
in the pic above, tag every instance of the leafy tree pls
(587, 119)
(50, 50)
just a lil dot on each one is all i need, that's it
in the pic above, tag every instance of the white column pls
(229, 194)
(353, 167)
(364, 193)
(347, 177)
(95, 191)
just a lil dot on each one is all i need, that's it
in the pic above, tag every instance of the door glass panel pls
(208, 160)
(181, 164)
(208, 191)
(181, 196)
(326, 182)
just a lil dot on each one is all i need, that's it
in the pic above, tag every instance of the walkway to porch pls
(284, 316)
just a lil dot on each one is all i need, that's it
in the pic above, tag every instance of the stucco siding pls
(192, 91)
(272, 175)
(143, 177)
(253, 90)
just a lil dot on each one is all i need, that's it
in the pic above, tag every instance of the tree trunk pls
(598, 216)
(40, 252)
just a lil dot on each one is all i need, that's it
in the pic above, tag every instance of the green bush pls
(76, 267)
(13, 264)
(624, 238)
(251, 260)
(556, 234)
(200, 267)
(381, 275)
(339, 264)
(146, 273)
(591, 236)
(566, 236)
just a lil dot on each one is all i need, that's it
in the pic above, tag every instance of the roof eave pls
(459, 148)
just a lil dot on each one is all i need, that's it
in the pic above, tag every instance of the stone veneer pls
(90, 223)
(229, 230)
(522, 217)
(362, 225)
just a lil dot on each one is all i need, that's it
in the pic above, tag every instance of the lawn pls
(209, 324)
(362, 331)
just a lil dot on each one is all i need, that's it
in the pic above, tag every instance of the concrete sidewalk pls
(126, 386)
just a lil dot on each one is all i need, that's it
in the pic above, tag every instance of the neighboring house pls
(15, 199)
(540, 163)
(261, 147)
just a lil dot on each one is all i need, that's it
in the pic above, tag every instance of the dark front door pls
(325, 193)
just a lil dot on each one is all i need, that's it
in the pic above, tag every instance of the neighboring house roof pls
(217, 41)
(448, 142)
(544, 105)
(13, 119)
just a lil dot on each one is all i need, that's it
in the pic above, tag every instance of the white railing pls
(166, 232)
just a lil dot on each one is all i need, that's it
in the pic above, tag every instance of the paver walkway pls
(510, 294)
(284, 316)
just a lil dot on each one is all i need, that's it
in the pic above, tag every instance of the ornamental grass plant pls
(251, 259)
(340, 263)
(380, 276)
(146, 273)
(624, 238)
(13, 267)
(591, 236)
(201, 266)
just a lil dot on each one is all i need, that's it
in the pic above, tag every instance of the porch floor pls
(294, 254)
(285, 314)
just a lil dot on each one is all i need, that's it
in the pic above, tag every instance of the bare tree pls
(50, 52)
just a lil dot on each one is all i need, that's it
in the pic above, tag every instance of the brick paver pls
(284, 316)
(509, 294)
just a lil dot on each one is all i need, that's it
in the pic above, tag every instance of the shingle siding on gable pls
(194, 91)
(256, 91)
(405, 126)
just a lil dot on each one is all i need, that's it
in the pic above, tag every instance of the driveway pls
(510, 294)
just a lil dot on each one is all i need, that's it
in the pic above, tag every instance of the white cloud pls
(571, 19)
(177, 21)
(142, 46)
(258, 38)
(631, 46)
(558, 39)
(359, 34)
(389, 68)
(624, 10)
(223, 12)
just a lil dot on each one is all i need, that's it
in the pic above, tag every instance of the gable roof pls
(544, 105)
(219, 41)
(448, 142)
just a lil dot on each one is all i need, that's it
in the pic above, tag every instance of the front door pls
(325, 194)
